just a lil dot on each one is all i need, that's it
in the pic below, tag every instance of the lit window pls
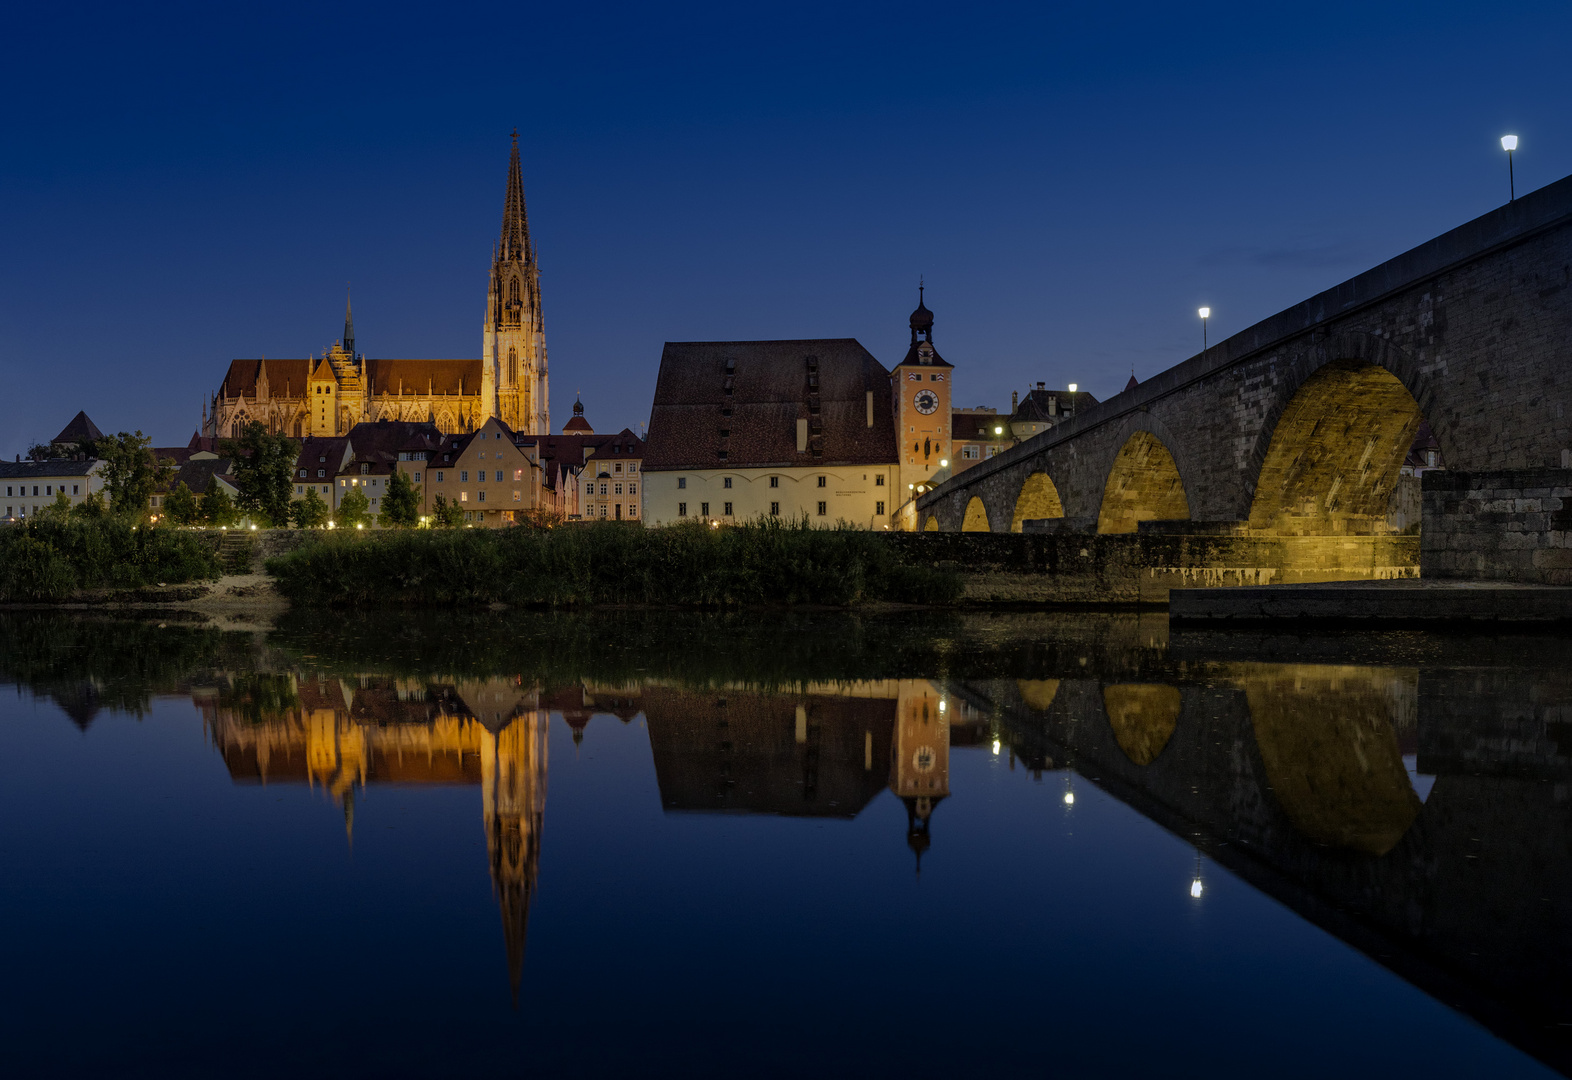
(518, 474)
(463, 496)
(516, 497)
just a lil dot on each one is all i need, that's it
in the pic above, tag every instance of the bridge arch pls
(1039, 498)
(1145, 481)
(976, 519)
(1328, 458)
(932, 523)
(1143, 717)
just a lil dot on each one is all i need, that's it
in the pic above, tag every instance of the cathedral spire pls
(349, 325)
(515, 217)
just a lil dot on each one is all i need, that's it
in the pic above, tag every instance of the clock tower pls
(921, 383)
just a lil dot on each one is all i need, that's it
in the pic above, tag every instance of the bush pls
(766, 562)
(48, 559)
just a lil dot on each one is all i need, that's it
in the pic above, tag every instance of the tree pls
(401, 505)
(310, 512)
(90, 507)
(264, 468)
(354, 509)
(131, 473)
(217, 507)
(446, 515)
(181, 506)
(59, 510)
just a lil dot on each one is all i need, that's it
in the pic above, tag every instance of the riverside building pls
(813, 428)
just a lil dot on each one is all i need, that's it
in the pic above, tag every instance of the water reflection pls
(1409, 794)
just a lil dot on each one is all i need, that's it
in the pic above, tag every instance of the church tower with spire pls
(513, 360)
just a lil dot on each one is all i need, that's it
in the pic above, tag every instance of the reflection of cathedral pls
(328, 395)
(339, 733)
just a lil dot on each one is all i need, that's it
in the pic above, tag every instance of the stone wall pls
(1513, 525)
(1141, 568)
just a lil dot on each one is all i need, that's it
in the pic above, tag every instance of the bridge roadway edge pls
(1508, 226)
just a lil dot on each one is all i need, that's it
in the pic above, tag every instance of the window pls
(969, 452)
(589, 489)
(878, 507)
(727, 511)
(603, 489)
(992, 450)
(775, 509)
(617, 467)
(682, 482)
(617, 489)
(321, 473)
(327, 489)
(482, 496)
(878, 481)
(633, 510)
(518, 474)
(822, 480)
(463, 496)
(300, 489)
(468, 516)
(302, 472)
(76, 490)
(823, 508)
(417, 478)
(464, 476)
(633, 489)
(633, 466)
(49, 489)
(516, 495)
(682, 509)
(704, 509)
(775, 481)
(726, 483)
(441, 476)
(602, 509)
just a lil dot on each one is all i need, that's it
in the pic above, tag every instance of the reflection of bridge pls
(1294, 430)
(1293, 777)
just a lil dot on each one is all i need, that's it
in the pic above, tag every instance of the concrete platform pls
(1407, 600)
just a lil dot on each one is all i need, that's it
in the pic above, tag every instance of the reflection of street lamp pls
(1509, 144)
(1069, 788)
(1205, 313)
(1195, 883)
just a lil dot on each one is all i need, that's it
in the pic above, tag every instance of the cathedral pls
(328, 395)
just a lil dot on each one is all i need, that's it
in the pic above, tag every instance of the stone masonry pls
(1508, 526)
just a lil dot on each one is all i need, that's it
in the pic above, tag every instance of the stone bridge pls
(1298, 426)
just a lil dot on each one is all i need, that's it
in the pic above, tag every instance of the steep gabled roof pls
(768, 385)
(79, 430)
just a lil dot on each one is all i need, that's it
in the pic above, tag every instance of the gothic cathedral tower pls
(513, 361)
(922, 406)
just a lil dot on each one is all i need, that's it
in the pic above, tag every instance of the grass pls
(759, 563)
(51, 560)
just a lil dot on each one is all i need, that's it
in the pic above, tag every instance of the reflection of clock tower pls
(922, 405)
(920, 771)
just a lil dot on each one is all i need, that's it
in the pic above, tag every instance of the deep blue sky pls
(185, 184)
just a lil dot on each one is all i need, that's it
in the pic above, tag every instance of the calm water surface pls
(1067, 845)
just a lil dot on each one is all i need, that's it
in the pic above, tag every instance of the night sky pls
(186, 184)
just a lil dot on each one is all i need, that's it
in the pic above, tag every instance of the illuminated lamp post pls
(1509, 144)
(1205, 313)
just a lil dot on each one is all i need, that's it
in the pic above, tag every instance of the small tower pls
(920, 771)
(513, 356)
(921, 385)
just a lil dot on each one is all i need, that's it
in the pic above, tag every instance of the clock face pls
(923, 759)
(926, 401)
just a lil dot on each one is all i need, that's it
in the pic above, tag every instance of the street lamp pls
(1205, 313)
(1509, 144)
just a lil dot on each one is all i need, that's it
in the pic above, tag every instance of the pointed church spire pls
(515, 217)
(349, 324)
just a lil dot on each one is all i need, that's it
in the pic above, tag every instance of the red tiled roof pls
(769, 391)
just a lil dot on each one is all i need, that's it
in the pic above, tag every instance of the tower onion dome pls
(922, 318)
(578, 425)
